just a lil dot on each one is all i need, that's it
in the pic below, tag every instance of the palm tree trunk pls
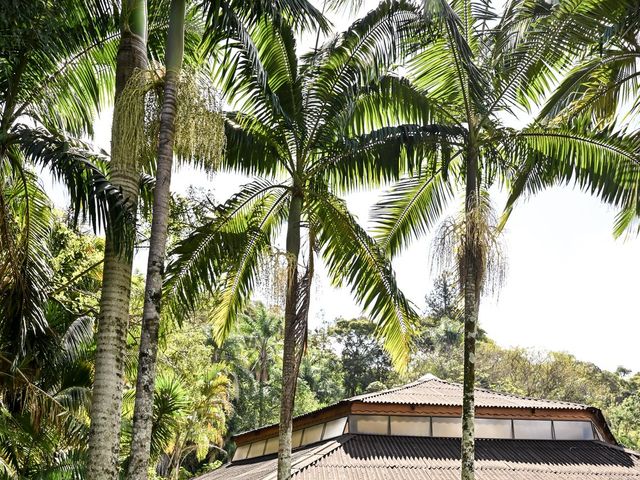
(147, 358)
(290, 364)
(260, 403)
(104, 435)
(471, 303)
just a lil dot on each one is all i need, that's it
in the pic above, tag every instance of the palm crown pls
(316, 131)
(480, 71)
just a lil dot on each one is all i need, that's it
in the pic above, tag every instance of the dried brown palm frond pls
(476, 232)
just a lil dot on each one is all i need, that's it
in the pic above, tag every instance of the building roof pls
(412, 433)
(425, 458)
(430, 390)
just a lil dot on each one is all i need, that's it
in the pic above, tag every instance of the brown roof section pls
(431, 396)
(424, 458)
(430, 390)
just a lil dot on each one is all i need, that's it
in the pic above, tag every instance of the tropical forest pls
(221, 215)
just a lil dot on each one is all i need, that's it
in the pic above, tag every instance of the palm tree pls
(143, 413)
(55, 75)
(169, 132)
(472, 74)
(260, 330)
(320, 128)
(113, 320)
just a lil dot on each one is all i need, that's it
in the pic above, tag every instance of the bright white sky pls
(570, 286)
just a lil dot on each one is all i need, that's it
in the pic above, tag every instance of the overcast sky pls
(570, 286)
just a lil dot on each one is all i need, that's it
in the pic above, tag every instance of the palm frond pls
(411, 209)
(353, 258)
(230, 242)
(25, 269)
(603, 163)
(384, 155)
(353, 59)
(83, 171)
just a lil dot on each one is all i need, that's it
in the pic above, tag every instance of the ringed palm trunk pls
(104, 435)
(148, 352)
(290, 364)
(471, 302)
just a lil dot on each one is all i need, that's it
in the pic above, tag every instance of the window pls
(446, 427)
(411, 426)
(256, 449)
(241, 452)
(312, 434)
(334, 428)
(493, 428)
(296, 438)
(532, 429)
(272, 446)
(573, 430)
(371, 424)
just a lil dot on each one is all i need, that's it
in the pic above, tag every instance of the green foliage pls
(44, 391)
(191, 398)
(253, 355)
(363, 360)
(312, 128)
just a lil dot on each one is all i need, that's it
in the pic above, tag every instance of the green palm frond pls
(353, 59)
(241, 277)
(384, 155)
(600, 85)
(389, 100)
(353, 258)
(251, 149)
(411, 208)
(456, 22)
(82, 171)
(605, 164)
(60, 63)
(25, 269)
(170, 401)
(223, 253)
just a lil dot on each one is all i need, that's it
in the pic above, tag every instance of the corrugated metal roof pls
(430, 390)
(422, 458)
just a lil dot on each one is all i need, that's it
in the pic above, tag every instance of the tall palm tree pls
(323, 126)
(472, 76)
(113, 320)
(55, 74)
(143, 412)
(169, 125)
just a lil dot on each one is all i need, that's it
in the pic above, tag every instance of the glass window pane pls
(334, 428)
(241, 452)
(570, 430)
(371, 424)
(410, 426)
(446, 426)
(272, 446)
(312, 434)
(532, 429)
(256, 449)
(493, 428)
(296, 438)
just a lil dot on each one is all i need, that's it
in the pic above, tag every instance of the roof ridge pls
(524, 397)
(505, 394)
(419, 381)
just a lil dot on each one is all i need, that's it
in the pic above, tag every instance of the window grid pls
(246, 451)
